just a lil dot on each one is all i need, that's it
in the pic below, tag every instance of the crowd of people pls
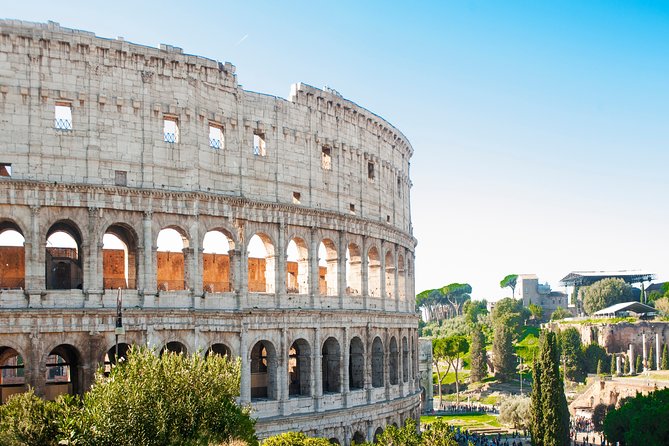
(465, 438)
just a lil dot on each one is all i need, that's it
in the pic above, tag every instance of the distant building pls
(532, 292)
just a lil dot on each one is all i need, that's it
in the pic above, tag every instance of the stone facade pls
(106, 138)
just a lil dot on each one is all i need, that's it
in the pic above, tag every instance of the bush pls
(28, 420)
(515, 411)
(294, 439)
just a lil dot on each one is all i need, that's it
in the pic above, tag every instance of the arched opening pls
(377, 362)
(358, 438)
(333, 441)
(12, 257)
(263, 371)
(171, 269)
(111, 356)
(330, 366)
(377, 434)
(299, 369)
(62, 372)
(119, 258)
(219, 349)
(353, 270)
(174, 347)
(261, 264)
(356, 364)
(12, 373)
(390, 275)
(328, 284)
(401, 281)
(216, 277)
(405, 360)
(63, 257)
(393, 361)
(297, 267)
(373, 273)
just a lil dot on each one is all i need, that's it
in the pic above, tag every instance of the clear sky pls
(540, 129)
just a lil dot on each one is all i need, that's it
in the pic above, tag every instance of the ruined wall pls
(616, 338)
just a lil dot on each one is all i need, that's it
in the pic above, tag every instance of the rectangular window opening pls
(63, 116)
(387, 218)
(326, 158)
(5, 170)
(259, 144)
(296, 197)
(399, 187)
(351, 208)
(370, 171)
(171, 129)
(120, 177)
(215, 136)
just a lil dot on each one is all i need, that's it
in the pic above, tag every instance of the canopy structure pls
(584, 278)
(624, 308)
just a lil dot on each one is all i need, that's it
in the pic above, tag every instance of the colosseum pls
(228, 221)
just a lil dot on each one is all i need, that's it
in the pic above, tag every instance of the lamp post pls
(118, 330)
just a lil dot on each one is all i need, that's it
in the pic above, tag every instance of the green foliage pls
(27, 420)
(294, 439)
(664, 363)
(396, 436)
(503, 358)
(651, 357)
(613, 365)
(536, 312)
(510, 313)
(605, 293)
(662, 305)
(549, 418)
(515, 412)
(571, 349)
(592, 355)
(599, 414)
(509, 281)
(639, 364)
(479, 366)
(640, 420)
(437, 433)
(444, 328)
(473, 309)
(560, 313)
(599, 367)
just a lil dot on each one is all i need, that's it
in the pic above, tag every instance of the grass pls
(450, 377)
(528, 343)
(467, 420)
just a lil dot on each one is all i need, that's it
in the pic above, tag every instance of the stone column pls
(364, 272)
(34, 249)
(644, 352)
(382, 276)
(317, 375)
(396, 281)
(280, 267)
(245, 387)
(282, 372)
(150, 282)
(314, 276)
(368, 363)
(343, 372)
(341, 270)
(386, 363)
(618, 365)
(657, 351)
(92, 262)
(632, 365)
(196, 265)
(238, 284)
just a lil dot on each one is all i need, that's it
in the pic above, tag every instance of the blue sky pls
(540, 129)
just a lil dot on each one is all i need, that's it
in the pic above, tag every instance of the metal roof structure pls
(634, 307)
(581, 278)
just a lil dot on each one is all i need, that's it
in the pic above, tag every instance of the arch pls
(64, 259)
(405, 360)
(377, 433)
(219, 349)
(377, 362)
(12, 373)
(358, 438)
(119, 257)
(170, 258)
(297, 266)
(263, 371)
(261, 264)
(373, 272)
(356, 364)
(390, 275)
(333, 440)
(401, 278)
(353, 270)
(328, 268)
(175, 347)
(12, 256)
(330, 366)
(216, 272)
(63, 372)
(110, 358)
(299, 369)
(393, 363)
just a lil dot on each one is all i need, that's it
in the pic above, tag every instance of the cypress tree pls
(479, 366)
(502, 352)
(651, 358)
(536, 418)
(639, 365)
(626, 369)
(613, 365)
(665, 358)
(599, 367)
(553, 401)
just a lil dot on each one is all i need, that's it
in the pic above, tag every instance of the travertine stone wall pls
(332, 172)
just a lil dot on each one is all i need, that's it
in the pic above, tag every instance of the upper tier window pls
(259, 144)
(215, 136)
(63, 116)
(171, 129)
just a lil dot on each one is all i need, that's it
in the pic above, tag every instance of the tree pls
(509, 281)
(472, 309)
(478, 363)
(456, 347)
(599, 367)
(515, 412)
(295, 439)
(438, 433)
(560, 313)
(605, 293)
(511, 313)
(395, 436)
(662, 305)
(27, 420)
(549, 413)
(651, 357)
(613, 365)
(665, 358)
(570, 346)
(536, 311)
(592, 354)
(502, 353)
(439, 352)
(639, 364)
(640, 420)
(599, 414)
